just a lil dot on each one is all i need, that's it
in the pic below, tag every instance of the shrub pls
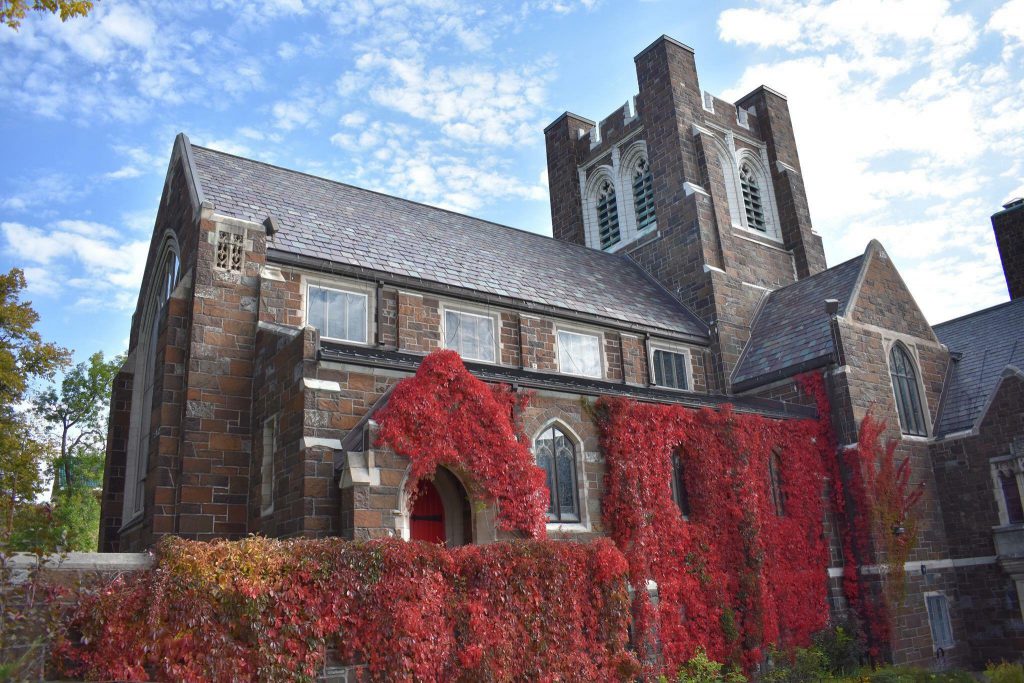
(702, 669)
(1004, 672)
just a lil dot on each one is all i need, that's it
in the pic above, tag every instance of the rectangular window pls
(337, 314)
(267, 466)
(470, 334)
(670, 369)
(679, 492)
(1006, 476)
(938, 620)
(579, 354)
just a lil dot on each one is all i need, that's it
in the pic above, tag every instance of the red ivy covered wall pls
(736, 576)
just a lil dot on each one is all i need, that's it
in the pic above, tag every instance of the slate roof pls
(988, 340)
(324, 219)
(792, 329)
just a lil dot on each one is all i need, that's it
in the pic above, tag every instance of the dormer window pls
(643, 195)
(607, 215)
(753, 202)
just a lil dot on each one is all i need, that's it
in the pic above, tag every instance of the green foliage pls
(702, 669)
(13, 11)
(1004, 672)
(21, 459)
(23, 354)
(76, 518)
(840, 648)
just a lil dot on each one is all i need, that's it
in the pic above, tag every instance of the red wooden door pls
(427, 515)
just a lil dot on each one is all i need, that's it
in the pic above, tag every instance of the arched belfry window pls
(753, 198)
(906, 391)
(607, 215)
(556, 455)
(643, 194)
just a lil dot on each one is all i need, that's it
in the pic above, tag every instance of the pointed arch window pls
(753, 198)
(775, 483)
(556, 455)
(607, 215)
(680, 495)
(906, 392)
(643, 194)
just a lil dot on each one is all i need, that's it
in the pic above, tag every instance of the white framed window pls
(471, 334)
(938, 620)
(670, 366)
(267, 466)
(339, 314)
(1008, 486)
(579, 353)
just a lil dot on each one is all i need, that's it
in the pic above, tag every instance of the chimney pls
(1008, 225)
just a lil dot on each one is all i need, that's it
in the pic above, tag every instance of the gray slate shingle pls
(988, 340)
(330, 220)
(792, 328)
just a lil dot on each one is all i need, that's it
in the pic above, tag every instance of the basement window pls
(938, 620)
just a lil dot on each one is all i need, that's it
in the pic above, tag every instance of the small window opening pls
(1011, 496)
(776, 483)
(679, 493)
(230, 251)
(267, 466)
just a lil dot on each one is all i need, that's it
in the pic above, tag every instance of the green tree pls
(24, 357)
(76, 411)
(76, 414)
(13, 11)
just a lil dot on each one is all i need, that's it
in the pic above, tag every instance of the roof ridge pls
(802, 280)
(407, 201)
(1005, 304)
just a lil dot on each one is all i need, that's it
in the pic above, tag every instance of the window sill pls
(761, 238)
(915, 438)
(567, 527)
(135, 521)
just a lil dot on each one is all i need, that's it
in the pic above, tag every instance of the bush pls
(702, 669)
(842, 650)
(1004, 672)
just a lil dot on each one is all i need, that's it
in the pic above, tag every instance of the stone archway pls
(441, 512)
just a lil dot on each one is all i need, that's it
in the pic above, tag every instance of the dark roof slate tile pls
(987, 341)
(792, 327)
(336, 222)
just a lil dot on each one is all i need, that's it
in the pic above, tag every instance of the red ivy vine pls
(735, 577)
(445, 416)
(261, 609)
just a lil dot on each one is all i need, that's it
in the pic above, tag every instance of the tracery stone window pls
(607, 215)
(1008, 482)
(643, 195)
(906, 391)
(144, 382)
(556, 455)
(230, 250)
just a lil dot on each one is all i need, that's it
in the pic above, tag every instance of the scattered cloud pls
(41, 192)
(111, 265)
(901, 123)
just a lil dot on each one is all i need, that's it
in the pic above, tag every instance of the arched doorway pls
(441, 512)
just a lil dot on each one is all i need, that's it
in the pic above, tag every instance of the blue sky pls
(908, 116)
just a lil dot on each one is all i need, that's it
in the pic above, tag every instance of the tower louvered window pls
(906, 391)
(643, 195)
(607, 215)
(753, 202)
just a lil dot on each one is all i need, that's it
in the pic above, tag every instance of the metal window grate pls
(752, 201)
(607, 216)
(230, 251)
(643, 195)
(906, 392)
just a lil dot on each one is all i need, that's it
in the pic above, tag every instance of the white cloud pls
(901, 125)
(1009, 20)
(108, 263)
(41, 191)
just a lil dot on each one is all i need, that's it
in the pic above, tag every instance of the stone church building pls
(278, 309)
